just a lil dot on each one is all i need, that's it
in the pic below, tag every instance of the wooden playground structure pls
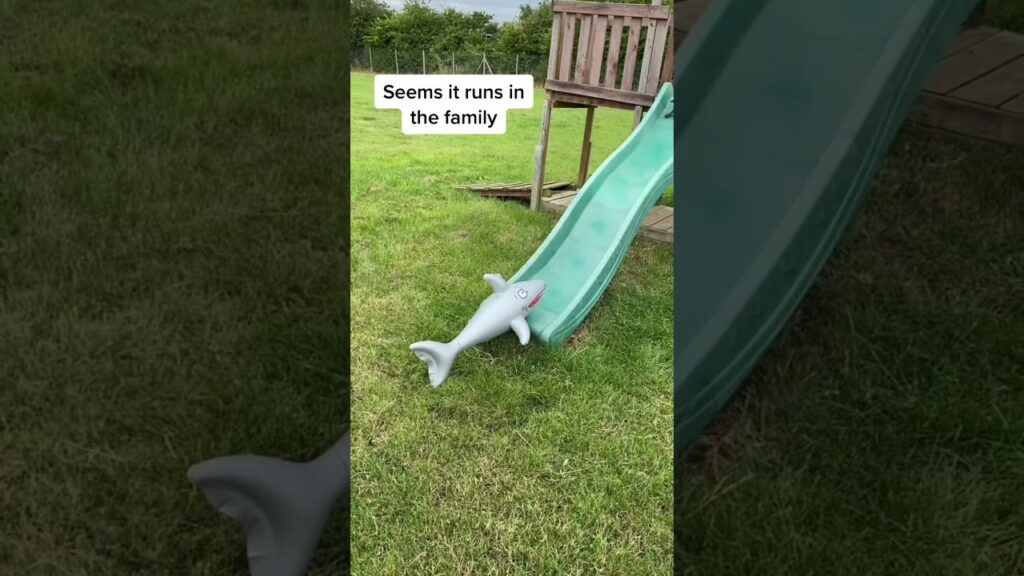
(593, 62)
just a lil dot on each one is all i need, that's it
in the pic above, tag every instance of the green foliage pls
(530, 34)
(420, 27)
(366, 13)
(1005, 14)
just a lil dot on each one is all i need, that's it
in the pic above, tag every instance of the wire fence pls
(396, 61)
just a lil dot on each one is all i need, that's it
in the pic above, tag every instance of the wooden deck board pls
(560, 195)
(970, 37)
(1015, 105)
(564, 201)
(970, 120)
(974, 62)
(997, 87)
(658, 214)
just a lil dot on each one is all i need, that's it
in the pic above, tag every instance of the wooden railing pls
(609, 51)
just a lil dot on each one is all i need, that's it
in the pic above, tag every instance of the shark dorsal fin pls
(496, 282)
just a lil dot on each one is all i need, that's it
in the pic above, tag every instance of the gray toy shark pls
(506, 309)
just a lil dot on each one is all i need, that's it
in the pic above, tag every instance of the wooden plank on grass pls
(1015, 105)
(658, 213)
(969, 37)
(666, 223)
(662, 236)
(563, 201)
(996, 87)
(973, 120)
(557, 185)
(974, 62)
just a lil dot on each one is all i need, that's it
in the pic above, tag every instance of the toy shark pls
(283, 506)
(506, 309)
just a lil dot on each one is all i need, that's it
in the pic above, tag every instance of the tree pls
(530, 34)
(419, 27)
(364, 14)
(415, 27)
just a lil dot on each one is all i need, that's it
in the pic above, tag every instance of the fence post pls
(396, 60)
(371, 58)
(517, 64)
(423, 54)
(454, 70)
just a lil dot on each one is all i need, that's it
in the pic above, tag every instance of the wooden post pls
(423, 53)
(517, 63)
(585, 153)
(540, 156)
(454, 70)
(370, 48)
(396, 60)
(638, 115)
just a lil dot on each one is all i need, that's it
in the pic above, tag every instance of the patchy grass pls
(883, 432)
(171, 178)
(527, 461)
(1005, 14)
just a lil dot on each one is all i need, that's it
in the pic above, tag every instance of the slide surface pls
(588, 244)
(787, 108)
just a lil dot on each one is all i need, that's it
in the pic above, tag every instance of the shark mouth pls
(537, 299)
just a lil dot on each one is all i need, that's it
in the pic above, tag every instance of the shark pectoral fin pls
(522, 329)
(496, 282)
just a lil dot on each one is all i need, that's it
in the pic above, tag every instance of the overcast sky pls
(503, 10)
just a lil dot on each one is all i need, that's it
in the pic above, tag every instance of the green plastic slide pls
(588, 244)
(786, 111)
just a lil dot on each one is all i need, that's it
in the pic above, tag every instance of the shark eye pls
(522, 294)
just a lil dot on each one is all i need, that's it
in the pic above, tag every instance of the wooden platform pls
(976, 90)
(516, 190)
(657, 226)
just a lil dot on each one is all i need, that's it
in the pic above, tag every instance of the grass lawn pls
(884, 431)
(171, 182)
(527, 461)
(1005, 14)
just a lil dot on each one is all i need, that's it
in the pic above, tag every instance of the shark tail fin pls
(438, 357)
(283, 506)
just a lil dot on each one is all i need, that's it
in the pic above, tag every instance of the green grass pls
(1005, 14)
(527, 461)
(883, 432)
(171, 180)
